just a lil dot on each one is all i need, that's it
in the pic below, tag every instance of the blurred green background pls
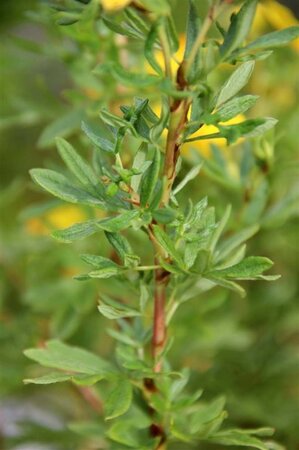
(246, 348)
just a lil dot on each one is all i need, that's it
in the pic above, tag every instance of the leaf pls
(105, 268)
(96, 138)
(193, 23)
(118, 223)
(235, 83)
(235, 437)
(206, 413)
(164, 215)
(149, 47)
(50, 378)
(157, 130)
(249, 269)
(231, 243)
(220, 227)
(168, 246)
(119, 400)
(190, 176)
(231, 285)
(239, 27)
(76, 164)
(120, 244)
(63, 126)
(235, 106)
(61, 356)
(138, 163)
(274, 39)
(59, 186)
(76, 231)
(113, 310)
(160, 7)
(268, 123)
(149, 179)
(125, 76)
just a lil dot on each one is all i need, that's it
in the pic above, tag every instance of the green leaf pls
(249, 269)
(76, 164)
(238, 79)
(50, 378)
(164, 215)
(160, 7)
(63, 126)
(149, 179)
(157, 130)
(230, 244)
(150, 47)
(227, 284)
(190, 176)
(121, 245)
(76, 231)
(114, 310)
(206, 413)
(235, 106)
(127, 77)
(119, 400)
(58, 355)
(59, 186)
(97, 138)
(236, 437)
(167, 245)
(239, 27)
(105, 267)
(118, 223)
(193, 24)
(274, 39)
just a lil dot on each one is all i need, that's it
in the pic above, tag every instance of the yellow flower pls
(272, 13)
(114, 5)
(60, 217)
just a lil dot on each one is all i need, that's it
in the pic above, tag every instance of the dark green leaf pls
(150, 47)
(239, 27)
(149, 179)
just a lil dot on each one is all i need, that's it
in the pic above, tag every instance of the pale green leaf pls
(119, 400)
(235, 83)
(61, 356)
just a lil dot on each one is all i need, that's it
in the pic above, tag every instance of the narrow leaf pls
(167, 245)
(149, 179)
(235, 83)
(274, 39)
(59, 186)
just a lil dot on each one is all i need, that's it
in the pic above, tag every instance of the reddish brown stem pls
(159, 326)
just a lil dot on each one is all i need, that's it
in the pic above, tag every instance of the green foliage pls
(163, 245)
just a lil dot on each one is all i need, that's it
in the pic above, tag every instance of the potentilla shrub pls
(166, 249)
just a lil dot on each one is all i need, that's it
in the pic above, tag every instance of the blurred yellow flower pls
(114, 5)
(60, 217)
(270, 12)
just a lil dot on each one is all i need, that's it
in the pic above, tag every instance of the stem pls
(166, 52)
(213, 12)
(159, 325)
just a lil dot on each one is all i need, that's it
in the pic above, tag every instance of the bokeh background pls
(246, 348)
